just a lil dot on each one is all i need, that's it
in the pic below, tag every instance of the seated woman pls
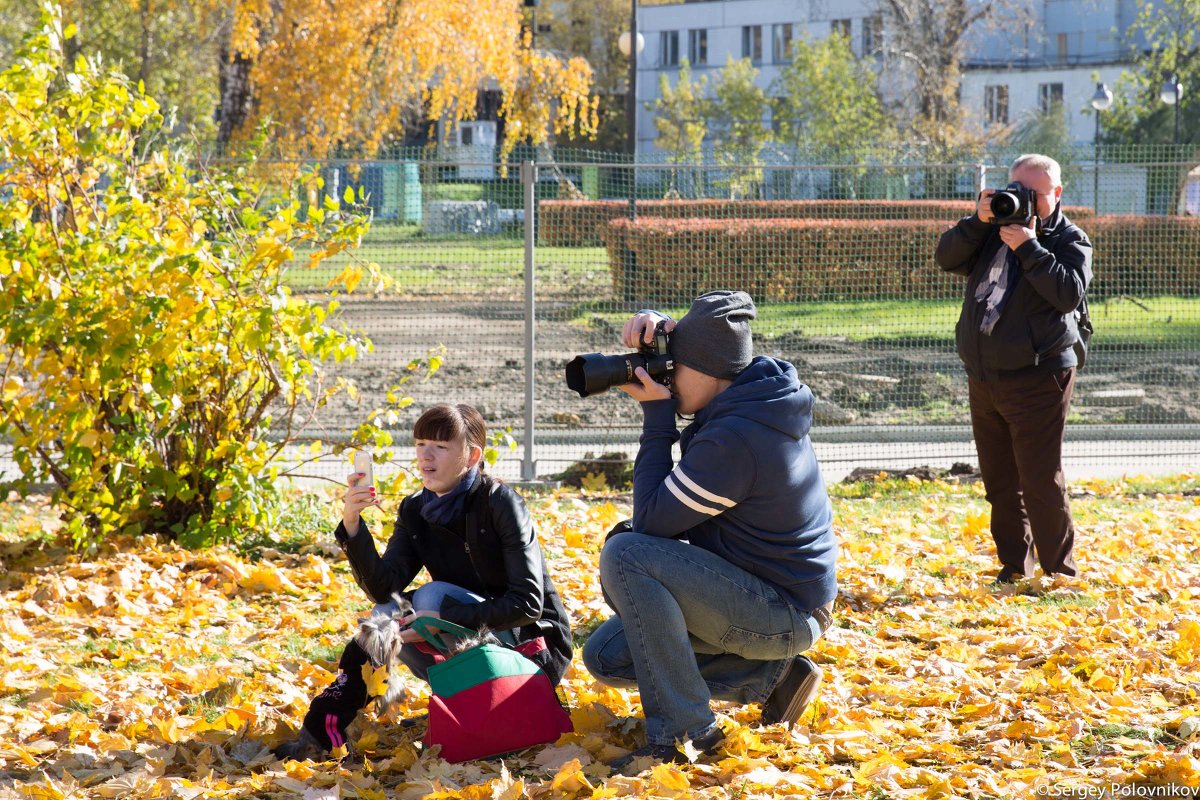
(476, 539)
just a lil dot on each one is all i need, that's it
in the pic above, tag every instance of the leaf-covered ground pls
(160, 672)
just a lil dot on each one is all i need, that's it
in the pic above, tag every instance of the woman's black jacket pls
(491, 550)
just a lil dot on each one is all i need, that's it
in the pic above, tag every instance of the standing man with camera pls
(1027, 268)
(726, 573)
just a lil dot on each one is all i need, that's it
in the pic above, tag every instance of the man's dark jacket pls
(492, 551)
(1037, 327)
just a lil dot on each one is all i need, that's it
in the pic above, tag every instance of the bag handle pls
(432, 628)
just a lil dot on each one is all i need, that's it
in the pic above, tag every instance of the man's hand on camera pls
(639, 329)
(1016, 235)
(983, 207)
(647, 390)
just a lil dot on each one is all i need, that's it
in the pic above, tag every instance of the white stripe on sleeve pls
(695, 487)
(687, 501)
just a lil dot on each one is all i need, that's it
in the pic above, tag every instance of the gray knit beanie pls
(714, 335)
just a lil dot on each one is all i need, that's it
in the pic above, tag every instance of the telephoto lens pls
(594, 373)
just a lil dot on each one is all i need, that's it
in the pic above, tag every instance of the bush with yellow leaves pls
(147, 340)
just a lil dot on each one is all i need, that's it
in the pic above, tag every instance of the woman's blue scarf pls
(449, 507)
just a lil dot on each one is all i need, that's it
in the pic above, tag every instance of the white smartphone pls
(362, 463)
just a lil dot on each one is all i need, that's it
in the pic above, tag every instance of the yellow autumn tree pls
(149, 343)
(350, 73)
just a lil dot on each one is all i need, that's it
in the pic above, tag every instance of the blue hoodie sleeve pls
(715, 474)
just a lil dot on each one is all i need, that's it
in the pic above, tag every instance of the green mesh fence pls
(837, 253)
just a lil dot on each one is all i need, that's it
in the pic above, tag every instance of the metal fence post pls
(529, 178)
(628, 259)
(982, 180)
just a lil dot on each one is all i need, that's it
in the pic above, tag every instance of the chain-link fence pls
(838, 254)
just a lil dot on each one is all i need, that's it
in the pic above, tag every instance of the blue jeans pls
(690, 627)
(430, 598)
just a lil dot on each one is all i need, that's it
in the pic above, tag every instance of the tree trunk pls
(236, 93)
(144, 45)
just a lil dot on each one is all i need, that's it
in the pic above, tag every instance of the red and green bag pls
(488, 700)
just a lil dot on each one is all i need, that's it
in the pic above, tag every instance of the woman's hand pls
(407, 634)
(356, 498)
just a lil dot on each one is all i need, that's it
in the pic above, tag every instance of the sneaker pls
(1008, 576)
(303, 747)
(793, 693)
(708, 745)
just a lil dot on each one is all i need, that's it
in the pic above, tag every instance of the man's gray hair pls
(1038, 161)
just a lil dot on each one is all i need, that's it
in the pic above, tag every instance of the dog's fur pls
(483, 636)
(378, 634)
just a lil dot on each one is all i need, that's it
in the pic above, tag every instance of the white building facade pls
(1054, 55)
(709, 33)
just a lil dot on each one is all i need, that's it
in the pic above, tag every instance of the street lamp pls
(1172, 93)
(623, 44)
(532, 5)
(630, 43)
(1101, 101)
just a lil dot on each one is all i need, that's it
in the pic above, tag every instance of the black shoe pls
(707, 744)
(793, 693)
(1008, 576)
(412, 722)
(305, 746)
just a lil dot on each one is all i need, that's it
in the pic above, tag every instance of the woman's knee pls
(430, 596)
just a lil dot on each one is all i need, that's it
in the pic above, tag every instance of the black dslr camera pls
(1013, 205)
(593, 373)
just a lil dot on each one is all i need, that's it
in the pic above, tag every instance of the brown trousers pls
(1018, 426)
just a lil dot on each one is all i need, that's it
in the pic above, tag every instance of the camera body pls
(1015, 204)
(593, 373)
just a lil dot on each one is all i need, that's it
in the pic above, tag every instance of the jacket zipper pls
(467, 550)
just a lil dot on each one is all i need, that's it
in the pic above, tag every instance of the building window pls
(1062, 48)
(752, 43)
(872, 35)
(995, 101)
(841, 27)
(1050, 97)
(668, 49)
(781, 43)
(698, 46)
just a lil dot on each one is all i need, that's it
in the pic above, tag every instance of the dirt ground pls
(856, 383)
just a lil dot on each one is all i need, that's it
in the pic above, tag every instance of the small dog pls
(379, 637)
